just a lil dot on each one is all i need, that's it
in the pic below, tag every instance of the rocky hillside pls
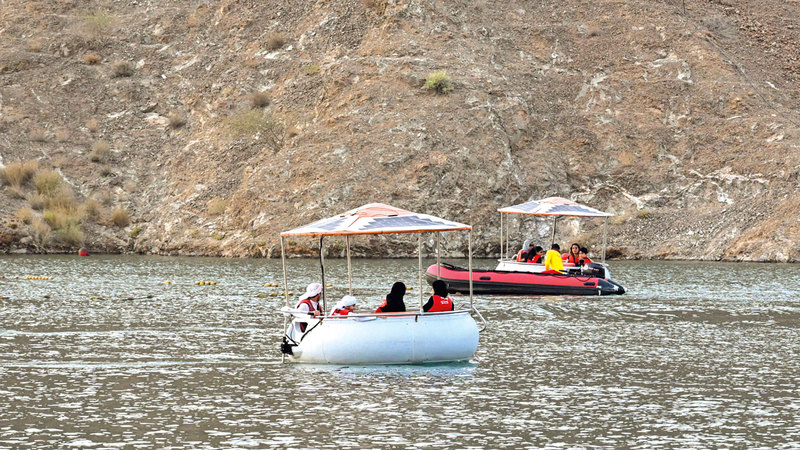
(196, 127)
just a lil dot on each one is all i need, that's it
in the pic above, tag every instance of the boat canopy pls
(554, 206)
(376, 218)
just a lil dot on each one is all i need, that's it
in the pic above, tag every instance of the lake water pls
(106, 354)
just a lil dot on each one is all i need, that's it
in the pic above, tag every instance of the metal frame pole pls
(438, 258)
(322, 268)
(605, 233)
(285, 293)
(553, 238)
(469, 241)
(501, 236)
(419, 269)
(349, 270)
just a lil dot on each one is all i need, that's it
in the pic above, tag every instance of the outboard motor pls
(594, 270)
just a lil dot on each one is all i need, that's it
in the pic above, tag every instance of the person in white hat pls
(309, 303)
(345, 306)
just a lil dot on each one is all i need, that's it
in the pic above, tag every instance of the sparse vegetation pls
(175, 120)
(311, 69)
(642, 213)
(216, 206)
(97, 23)
(36, 201)
(439, 82)
(275, 41)
(91, 59)
(47, 182)
(135, 232)
(120, 217)
(40, 233)
(255, 122)
(18, 173)
(71, 235)
(259, 100)
(26, 215)
(100, 151)
(35, 45)
(62, 135)
(38, 135)
(92, 210)
(92, 125)
(120, 69)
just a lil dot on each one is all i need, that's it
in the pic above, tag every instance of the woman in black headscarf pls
(394, 301)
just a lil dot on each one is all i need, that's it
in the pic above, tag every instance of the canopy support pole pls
(438, 258)
(322, 268)
(508, 219)
(349, 270)
(469, 243)
(285, 293)
(501, 236)
(605, 234)
(419, 270)
(553, 238)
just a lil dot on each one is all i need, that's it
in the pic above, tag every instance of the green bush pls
(439, 82)
(72, 235)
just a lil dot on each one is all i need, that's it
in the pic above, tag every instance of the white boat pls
(412, 337)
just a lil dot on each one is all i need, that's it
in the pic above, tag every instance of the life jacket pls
(536, 259)
(311, 310)
(520, 257)
(441, 304)
(380, 308)
(570, 259)
(587, 260)
(340, 312)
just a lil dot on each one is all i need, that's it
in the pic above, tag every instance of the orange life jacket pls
(340, 312)
(570, 259)
(311, 307)
(519, 255)
(441, 304)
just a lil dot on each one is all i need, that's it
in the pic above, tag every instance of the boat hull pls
(521, 283)
(406, 338)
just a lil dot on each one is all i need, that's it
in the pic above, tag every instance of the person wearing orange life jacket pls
(537, 257)
(439, 301)
(522, 255)
(345, 306)
(309, 303)
(394, 300)
(584, 254)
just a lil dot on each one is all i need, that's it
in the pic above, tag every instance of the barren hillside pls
(198, 127)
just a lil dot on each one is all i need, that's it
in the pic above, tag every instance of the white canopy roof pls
(376, 218)
(554, 206)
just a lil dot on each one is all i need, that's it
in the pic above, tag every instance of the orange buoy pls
(83, 252)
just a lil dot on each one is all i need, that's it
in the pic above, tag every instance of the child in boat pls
(584, 256)
(345, 306)
(439, 301)
(536, 256)
(394, 301)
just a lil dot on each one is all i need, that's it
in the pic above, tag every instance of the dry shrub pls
(35, 45)
(97, 23)
(259, 99)
(37, 201)
(439, 82)
(91, 58)
(275, 41)
(120, 217)
(18, 173)
(15, 192)
(311, 69)
(62, 135)
(259, 124)
(100, 150)
(38, 135)
(26, 215)
(92, 125)
(105, 198)
(175, 120)
(62, 200)
(121, 69)
(47, 182)
(193, 21)
(71, 235)
(40, 232)
(92, 210)
(216, 206)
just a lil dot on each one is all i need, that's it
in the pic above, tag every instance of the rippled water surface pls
(106, 354)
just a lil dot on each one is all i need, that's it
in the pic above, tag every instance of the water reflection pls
(108, 354)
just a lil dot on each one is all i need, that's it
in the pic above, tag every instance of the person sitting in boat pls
(584, 254)
(536, 256)
(439, 301)
(522, 255)
(394, 301)
(552, 260)
(573, 256)
(345, 306)
(309, 303)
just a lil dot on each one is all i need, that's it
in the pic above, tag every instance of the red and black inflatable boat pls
(588, 280)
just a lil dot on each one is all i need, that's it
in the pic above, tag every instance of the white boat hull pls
(407, 338)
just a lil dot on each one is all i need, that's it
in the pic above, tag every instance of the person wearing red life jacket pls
(394, 300)
(439, 301)
(345, 306)
(309, 303)
(573, 256)
(536, 256)
(584, 256)
(524, 253)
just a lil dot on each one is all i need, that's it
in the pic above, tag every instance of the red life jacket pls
(571, 259)
(311, 307)
(441, 304)
(380, 308)
(536, 259)
(340, 312)
(520, 258)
